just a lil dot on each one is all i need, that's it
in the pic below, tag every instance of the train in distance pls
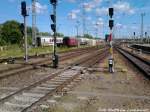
(67, 41)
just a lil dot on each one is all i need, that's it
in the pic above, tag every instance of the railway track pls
(23, 99)
(140, 63)
(16, 70)
(141, 48)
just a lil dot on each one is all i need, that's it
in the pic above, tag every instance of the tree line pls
(10, 33)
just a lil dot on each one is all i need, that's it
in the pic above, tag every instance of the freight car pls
(83, 41)
(70, 41)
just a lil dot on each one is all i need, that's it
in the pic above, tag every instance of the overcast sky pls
(127, 15)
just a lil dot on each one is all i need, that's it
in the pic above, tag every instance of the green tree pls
(0, 29)
(59, 34)
(1, 40)
(44, 33)
(11, 33)
(88, 36)
(29, 33)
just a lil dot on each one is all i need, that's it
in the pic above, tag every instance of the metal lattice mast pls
(34, 22)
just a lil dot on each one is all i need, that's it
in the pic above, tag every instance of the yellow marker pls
(111, 50)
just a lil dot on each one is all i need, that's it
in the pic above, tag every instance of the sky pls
(72, 13)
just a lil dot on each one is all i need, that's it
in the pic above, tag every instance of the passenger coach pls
(48, 41)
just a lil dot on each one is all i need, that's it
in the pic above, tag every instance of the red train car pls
(70, 42)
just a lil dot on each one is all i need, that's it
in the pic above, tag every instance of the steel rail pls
(141, 64)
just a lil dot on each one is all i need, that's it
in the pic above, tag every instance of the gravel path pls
(125, 90)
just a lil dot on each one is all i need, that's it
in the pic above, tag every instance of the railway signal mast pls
(23, 26)
(146, 39)
(53, 27)
(134, 38)
(111, 24)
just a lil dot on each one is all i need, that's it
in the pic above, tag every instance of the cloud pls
(87, 7)
(123, 7)
(73, 14)
(134, 27)
(100, 19)
(88, 18)
(118, 25)
(40, 9)
(98, 23)
(72, 1)
(96, 2)
(101, 11)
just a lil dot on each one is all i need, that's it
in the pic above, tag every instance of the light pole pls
(96, 29)
(77, 27)
(33, 23)
(142, 26)
(83, 17)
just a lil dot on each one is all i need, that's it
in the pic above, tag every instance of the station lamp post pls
(53, 27)
(142, 26)
(77, 28)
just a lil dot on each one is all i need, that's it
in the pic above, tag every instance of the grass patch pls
(16, 51)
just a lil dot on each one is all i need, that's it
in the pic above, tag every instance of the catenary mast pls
(34, 23)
